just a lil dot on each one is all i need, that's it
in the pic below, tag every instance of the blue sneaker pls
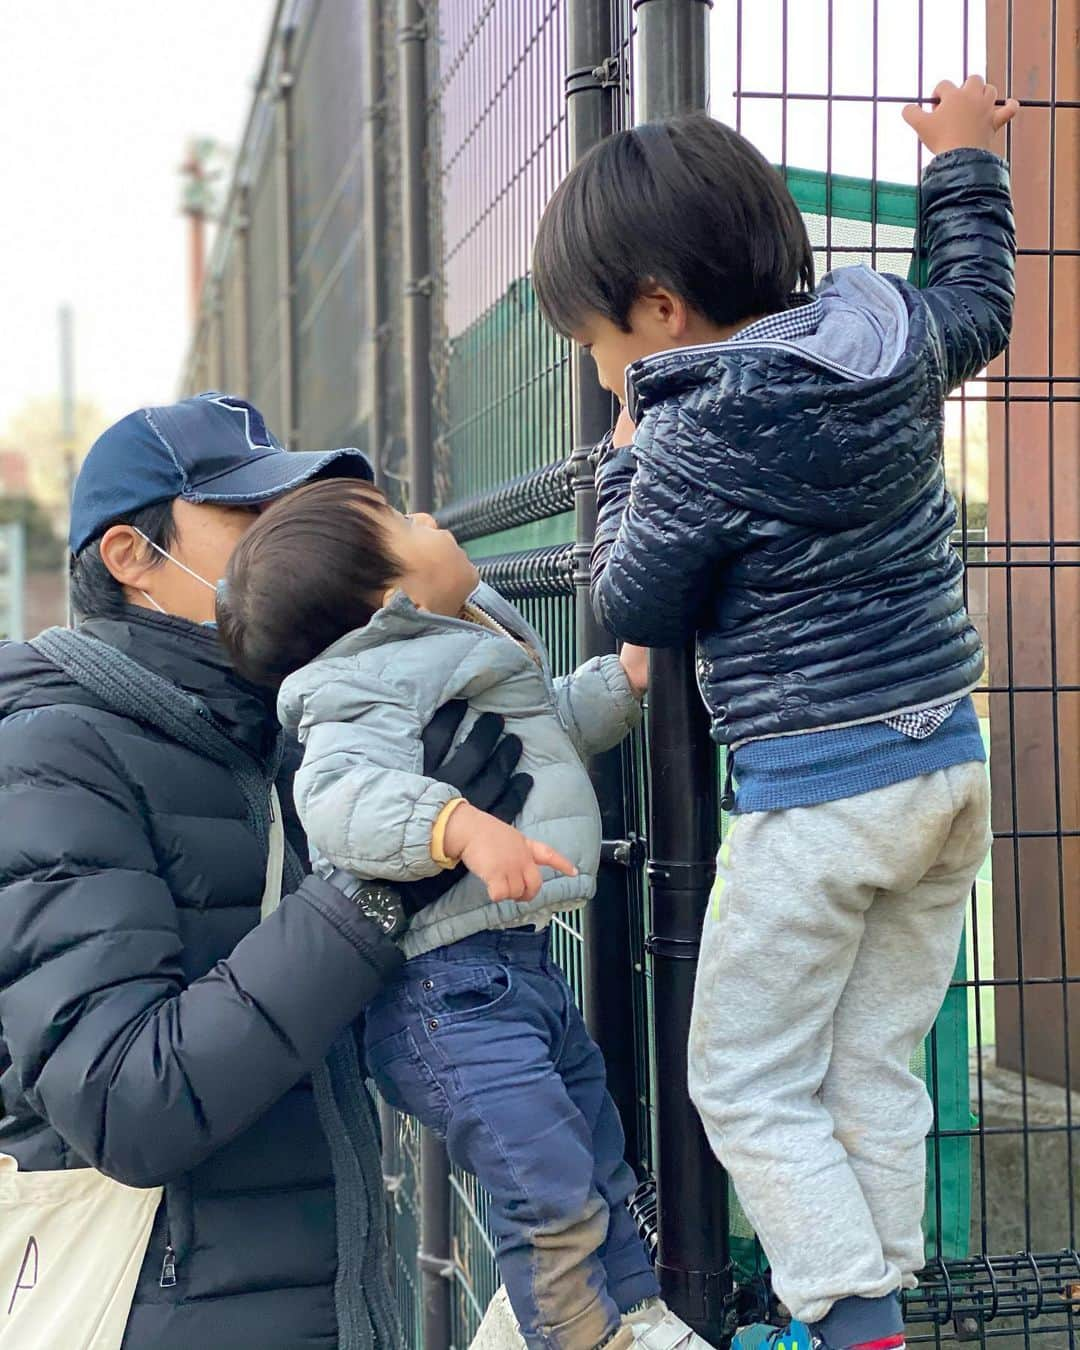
(762, 1336)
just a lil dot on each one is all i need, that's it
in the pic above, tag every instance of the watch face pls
(382, 906)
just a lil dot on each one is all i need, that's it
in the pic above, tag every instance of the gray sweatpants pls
(828, 948)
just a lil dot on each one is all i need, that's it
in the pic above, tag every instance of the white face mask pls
(169, 558)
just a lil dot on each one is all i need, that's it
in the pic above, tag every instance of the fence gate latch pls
(626, 852)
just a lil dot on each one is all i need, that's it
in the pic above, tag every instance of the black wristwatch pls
(375, 901)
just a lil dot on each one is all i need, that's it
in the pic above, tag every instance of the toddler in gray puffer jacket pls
(370, 621)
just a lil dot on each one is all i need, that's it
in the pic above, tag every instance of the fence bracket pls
(675, 949)
(689, 876)
(607, 75)
(609, 72)
(625, 852)
(707, 1295)
(435, 1265)
(414, 32)
(392, 1183)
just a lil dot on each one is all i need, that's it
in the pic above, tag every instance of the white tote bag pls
(71, 1247)
(72, 1242)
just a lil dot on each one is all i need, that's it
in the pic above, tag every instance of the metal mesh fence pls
(818, 85)
(330, 101)
(265, 282)
(234, 317)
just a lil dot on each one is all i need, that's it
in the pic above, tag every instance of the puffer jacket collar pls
(192, 657)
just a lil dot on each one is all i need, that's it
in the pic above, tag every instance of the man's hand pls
(964, 118)
(482, 769)
(635, 662)
(504, 860)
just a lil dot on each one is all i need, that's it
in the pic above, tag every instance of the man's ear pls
(125, 554)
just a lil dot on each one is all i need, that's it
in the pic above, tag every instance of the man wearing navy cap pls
(194, 472)
(150, 1025)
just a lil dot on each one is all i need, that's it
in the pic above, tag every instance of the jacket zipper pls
(168, 1266)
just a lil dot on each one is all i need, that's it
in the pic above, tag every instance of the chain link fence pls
(312, 309)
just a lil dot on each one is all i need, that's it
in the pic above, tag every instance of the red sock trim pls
(896, 1342)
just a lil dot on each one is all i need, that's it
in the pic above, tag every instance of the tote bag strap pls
(275, 857)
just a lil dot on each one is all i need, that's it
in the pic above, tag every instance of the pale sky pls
(98, 99)
(948, 52)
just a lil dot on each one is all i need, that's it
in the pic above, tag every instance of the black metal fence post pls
(374, 241)
(692, 1254)
(593, 76)
(434, 1258)
(243, 310)
(289, 403)
(416, 247)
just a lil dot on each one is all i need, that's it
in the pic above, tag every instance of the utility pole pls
(197, 203)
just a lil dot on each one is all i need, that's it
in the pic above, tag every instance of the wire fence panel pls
(818, 86)
(234, 317)
(501, 376)
(330, 101)
(500, 127)
(265, 282)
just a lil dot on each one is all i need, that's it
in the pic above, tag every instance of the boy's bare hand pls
(635, 662)
(963, 118)
(504, 860)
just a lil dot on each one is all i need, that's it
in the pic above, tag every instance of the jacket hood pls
(842, 437)
(398, 622)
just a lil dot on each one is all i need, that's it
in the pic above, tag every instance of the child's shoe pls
(862, 1324)
(798, 1336)
(656, 1327)
(763, 1336)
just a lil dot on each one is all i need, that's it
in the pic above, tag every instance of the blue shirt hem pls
(827, 766)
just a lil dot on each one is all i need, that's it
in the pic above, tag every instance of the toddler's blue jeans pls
(482, 1042)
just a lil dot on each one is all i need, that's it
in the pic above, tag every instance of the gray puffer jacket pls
(362, 794)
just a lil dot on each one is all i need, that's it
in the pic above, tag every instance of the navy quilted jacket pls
(786, 500)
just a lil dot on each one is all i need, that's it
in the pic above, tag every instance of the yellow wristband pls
(438, 835)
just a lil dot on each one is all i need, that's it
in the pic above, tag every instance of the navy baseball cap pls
(211, 448)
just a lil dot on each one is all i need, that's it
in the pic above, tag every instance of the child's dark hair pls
(312, 568)
(687, 204)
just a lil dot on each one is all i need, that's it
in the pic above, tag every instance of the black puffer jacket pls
(149, 1025)
(794, 513)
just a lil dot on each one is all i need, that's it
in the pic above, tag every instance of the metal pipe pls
(592, 79)
(416, 252)
(434, 1258)
(242, 245)
(283, 116)
(374, 241)
(692, 1254)
(538, 495)
(671, 68)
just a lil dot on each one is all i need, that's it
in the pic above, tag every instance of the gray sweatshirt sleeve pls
(596, 705)
(361, 794)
